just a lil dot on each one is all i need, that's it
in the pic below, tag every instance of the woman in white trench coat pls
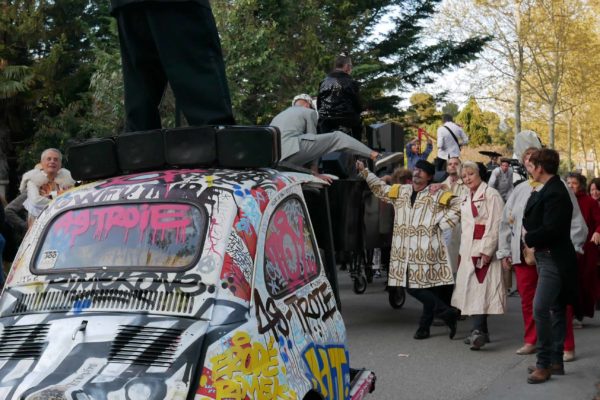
(479, 290)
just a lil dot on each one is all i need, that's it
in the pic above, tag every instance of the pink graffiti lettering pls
(158, 217)
(286, 248)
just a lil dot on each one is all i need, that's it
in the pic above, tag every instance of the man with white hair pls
(44, 182)
(301, 145)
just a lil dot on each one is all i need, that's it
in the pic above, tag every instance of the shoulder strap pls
(453, 135)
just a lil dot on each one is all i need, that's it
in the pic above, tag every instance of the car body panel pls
(253, 317)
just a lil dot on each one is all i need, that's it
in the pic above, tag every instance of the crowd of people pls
(453, 240)
(461, 235)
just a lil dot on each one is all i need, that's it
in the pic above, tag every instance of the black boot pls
(421, 333)
(450, 317)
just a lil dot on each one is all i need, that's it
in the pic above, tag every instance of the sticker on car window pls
(48, 260)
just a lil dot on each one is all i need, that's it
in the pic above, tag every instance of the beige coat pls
(470, 296)
(418, 257)
(452, 236)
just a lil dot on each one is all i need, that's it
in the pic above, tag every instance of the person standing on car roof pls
(338, 101)
(301, 145)
(177, 42)
(419, 261)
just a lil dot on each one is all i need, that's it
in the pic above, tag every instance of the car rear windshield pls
(129, 236)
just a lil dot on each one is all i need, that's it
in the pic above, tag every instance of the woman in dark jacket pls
(547, 223)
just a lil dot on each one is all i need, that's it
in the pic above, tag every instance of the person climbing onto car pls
(301, 145)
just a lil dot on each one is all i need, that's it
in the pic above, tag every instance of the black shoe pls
(450, 317)
(421, 333)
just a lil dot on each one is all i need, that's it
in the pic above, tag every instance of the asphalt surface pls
(380, 339)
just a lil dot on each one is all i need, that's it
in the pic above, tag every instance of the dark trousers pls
(548, 312)
(480, 323)
(351, 126)
(433, 304)
(176, 42)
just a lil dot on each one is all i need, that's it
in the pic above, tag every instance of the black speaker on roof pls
(141, 151)
(339, 164)
(191, 146)
(92, 159)
(248, 146)
(387, 136)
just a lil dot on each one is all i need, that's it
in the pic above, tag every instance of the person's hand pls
(326, 178)
(435, 187)
(595, 238)
(507, 263)
(387, 179)
(360, 165)
(485, 259)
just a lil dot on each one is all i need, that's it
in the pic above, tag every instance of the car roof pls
(177, 184)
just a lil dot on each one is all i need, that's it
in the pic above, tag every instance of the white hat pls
(304, 97)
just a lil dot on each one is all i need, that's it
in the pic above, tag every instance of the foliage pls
(60, 76)
(474, 123)
(288, 46)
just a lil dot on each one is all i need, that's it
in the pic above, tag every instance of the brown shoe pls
(539, 375)
(526, 349)
(555, 369)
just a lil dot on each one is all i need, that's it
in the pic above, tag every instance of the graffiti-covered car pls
(175, 284)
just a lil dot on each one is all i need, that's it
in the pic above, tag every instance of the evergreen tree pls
(289, 46)
(472, 120)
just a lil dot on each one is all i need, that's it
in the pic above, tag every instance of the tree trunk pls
(569, 133)
(583, 147)
(551, 122)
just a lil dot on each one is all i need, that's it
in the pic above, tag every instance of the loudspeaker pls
(93, 159)
(248, 146)
(141, 151)
(440, 176)
(191, 146)
(346, 209)
(339, 164)
(387, 136)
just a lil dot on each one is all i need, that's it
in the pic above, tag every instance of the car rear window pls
(130, 236)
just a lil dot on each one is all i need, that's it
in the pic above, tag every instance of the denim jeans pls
(480, 323)
(548, 312)
(433, 303)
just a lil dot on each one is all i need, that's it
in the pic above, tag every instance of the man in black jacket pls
(178, 42)
(547, 222)
(338, 101)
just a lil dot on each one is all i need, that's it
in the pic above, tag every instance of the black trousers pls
(433, 303)
(176, 42)
(351, 126)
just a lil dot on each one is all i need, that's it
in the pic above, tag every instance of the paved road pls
(380, 338)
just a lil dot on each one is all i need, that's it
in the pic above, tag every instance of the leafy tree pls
(288, 47)
(53, 43)
(473, 121)
(450, 109)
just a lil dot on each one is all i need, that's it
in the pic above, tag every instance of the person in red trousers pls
(586, 262)
(510, 250)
